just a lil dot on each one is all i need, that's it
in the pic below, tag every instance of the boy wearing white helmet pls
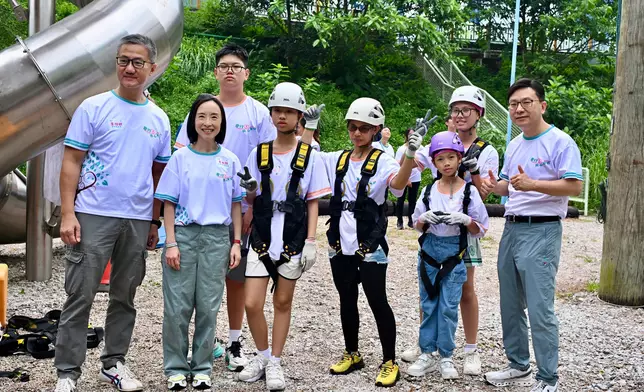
(466, 108)
(284, 180)
(357, 244)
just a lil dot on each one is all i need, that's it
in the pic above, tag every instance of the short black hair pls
(232, 49)
(192, 117)
(143, 40)
(528, 83)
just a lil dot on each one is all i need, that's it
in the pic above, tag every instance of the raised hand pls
(489, 184)
(312, 116)
(247, 181)
(522, 182)
(422, 125)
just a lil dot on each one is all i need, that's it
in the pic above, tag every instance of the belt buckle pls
(277, 205)
(348, 205)
(511, 218)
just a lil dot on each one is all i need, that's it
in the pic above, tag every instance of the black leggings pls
(412, 196)
(348, 272)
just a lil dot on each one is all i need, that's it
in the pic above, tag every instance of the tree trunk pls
(622, 270)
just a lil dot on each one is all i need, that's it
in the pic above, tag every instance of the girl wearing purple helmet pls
(452, 209)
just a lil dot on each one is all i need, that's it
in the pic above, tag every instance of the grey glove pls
(312, 116)
(414, 142)
(458, 218)
(472, 164)
(423, 124)
(247, 181)
(431, 217)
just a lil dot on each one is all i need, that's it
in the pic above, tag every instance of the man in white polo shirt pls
(116, 148)
(542, 169)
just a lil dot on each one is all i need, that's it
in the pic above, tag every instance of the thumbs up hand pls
(247, 181)
(522, 182)
(488, 184)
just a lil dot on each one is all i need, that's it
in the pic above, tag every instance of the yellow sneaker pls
(348, 363)
(388, 375)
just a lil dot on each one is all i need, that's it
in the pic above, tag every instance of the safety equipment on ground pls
(288, 95)
(18, 374)
(446, 266)
(445, 140)
(247, 181)
(367, 110)
(294, 208)
(312, 116)
(471, 94)
(371, 220)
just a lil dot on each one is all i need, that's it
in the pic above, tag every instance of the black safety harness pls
(371, 220)
(473, 152)
(294, 208)
(433, 290)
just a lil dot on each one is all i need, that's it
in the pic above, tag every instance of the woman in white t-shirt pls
(411, 191)
(453, 212)
(358, 246)
(291, 179)
(202, 198)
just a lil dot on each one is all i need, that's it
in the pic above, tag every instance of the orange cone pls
(105, 280)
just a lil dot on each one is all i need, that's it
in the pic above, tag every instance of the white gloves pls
(308, 255)
(472, 164)
(247, 181)
(457, 218)
(414, 142)
(312, 116)
(431, 218)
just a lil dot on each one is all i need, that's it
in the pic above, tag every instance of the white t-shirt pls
(122, 140)
(388, 149)
(247, 125)
(202, 185)
(552, 155)
(488, 160)
(386, 170)
(314, 184)
(415, 173)
(442, 202)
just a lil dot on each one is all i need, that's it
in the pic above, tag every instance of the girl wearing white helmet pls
(466, 108)
(358, 248)
(284, 180)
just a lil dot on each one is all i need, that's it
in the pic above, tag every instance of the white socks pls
(233, 336)
(470, 347)
(266, 353)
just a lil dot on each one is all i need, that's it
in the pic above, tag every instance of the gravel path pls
(601, 345)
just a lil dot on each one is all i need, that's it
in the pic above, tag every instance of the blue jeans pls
(440, 314)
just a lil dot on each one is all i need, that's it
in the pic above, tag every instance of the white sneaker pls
(254, 370)
(274, 376)
(201, 382)
(235, 358)
(448, 371)
(65, 385)
(411, 355)
(177, 382)
(541, 386)
(510, 377)
(120, 377)
(423, 365)
(472, 365)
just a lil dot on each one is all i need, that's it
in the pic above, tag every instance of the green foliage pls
(9, 26)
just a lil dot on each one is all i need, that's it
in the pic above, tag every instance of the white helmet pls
(367, 110)
(288, 95)
(471, 94)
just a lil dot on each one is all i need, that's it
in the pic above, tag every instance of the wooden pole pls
(622, 270)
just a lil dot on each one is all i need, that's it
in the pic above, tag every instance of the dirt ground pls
(601, 345)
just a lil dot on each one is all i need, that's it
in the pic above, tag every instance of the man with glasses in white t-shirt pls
(542, 169)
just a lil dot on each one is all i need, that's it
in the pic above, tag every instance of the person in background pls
(411, 191)
(382, 142)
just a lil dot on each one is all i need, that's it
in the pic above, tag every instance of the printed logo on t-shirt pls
(116, 124)
(369, 185)
(538, 162)
(93, 173)
(245, 128)
(181, 216)
(154, 134)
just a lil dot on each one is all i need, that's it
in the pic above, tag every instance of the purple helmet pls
(445, 140)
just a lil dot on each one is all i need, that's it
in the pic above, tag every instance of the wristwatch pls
(156, 222)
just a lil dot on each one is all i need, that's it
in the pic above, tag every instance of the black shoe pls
(410, 224)
(399, 225)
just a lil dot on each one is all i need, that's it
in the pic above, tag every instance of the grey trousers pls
(102, 238)
(198, 286)
(527, 267)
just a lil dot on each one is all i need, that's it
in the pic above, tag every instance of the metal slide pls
(45, 77)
